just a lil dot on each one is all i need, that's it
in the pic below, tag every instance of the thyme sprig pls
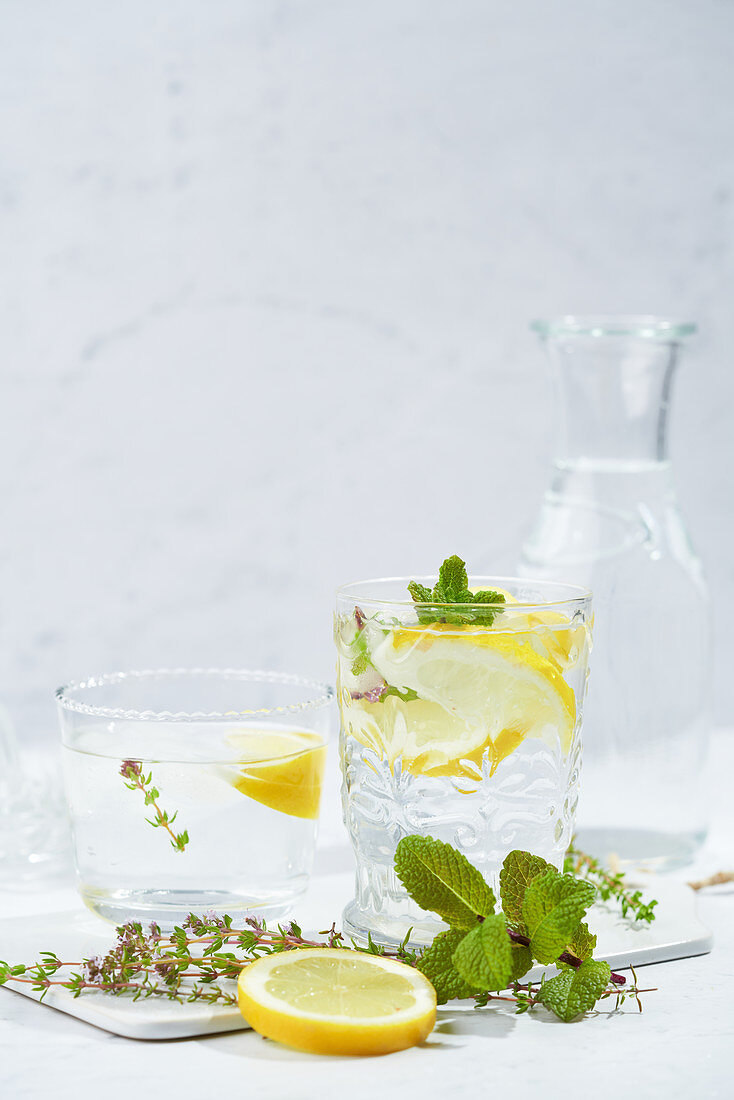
(526, 995)
(198, 961)
(137, 780)
(609, 884)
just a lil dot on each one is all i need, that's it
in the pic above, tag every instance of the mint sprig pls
(444, 603)
(484, 952)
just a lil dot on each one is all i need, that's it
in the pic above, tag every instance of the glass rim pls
(646, 326)
(64, 700)
(580, 595)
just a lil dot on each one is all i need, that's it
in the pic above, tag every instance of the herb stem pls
(132, 771)
(566, 957)
(609, 884)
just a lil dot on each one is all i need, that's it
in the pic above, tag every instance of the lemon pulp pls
(282, 769)
(334, 1001)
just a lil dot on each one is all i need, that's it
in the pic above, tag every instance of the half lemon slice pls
(335, 1001)
(282, 769)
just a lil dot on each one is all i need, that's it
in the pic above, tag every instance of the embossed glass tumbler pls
(459, 722)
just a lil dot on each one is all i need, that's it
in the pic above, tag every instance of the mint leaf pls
(452, 589)
(443, 881)
(419, 592)
(487, 617)
(484, 956)
(552, 908)
(522, 960)
(436, 963)
(582, 943)
(453, 584)
(572, 992)
(488, 595)
(360, 664)
(361, 652)
(518, 871)
(407, 695)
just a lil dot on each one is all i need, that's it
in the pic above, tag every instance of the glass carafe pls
(610, 521)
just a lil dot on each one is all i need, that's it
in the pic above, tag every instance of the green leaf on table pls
(437, 965)
(484, 956)
(442, 880)
(581, 944)
(518, 871)
(552, 909)
(573, 992)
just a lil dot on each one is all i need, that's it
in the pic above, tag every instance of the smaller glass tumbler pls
(457, 722)
(193, 790)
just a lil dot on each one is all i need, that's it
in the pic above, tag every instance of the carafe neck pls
(613, 379)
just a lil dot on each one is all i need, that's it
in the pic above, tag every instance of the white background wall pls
(265, 276)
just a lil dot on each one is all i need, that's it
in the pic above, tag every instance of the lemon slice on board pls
(334, 1001)
(479, 691)
(282, 769)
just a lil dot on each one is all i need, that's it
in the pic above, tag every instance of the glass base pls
(640, 849)
(169, 908)
(362, 927)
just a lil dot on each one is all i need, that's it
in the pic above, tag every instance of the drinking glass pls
(469, 732)
(193, 790)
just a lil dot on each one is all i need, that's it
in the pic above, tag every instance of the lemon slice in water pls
(282, 769)
(550, 633)
(333, 1001)
(479, 691)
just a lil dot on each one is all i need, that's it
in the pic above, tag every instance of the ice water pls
(241, 855)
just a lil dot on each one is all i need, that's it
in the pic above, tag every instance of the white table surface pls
(681, 1046)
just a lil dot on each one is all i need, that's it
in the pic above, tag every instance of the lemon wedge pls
(282, 769)
(334, 1001)
(479, 692)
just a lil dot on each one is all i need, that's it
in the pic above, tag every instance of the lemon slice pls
(282, 769)
(550, 633)
(421, 734)
(334, 1001)
(480, 691)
